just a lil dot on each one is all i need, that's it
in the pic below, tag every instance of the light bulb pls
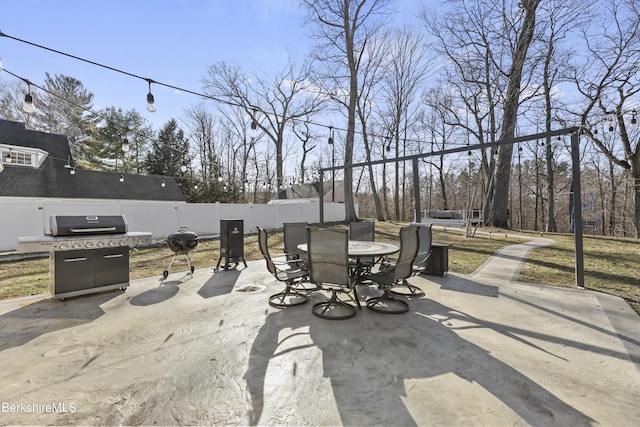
(125, 146)
(27, 105)
(151, 104)
(162, 183)
(72, 171)
(121, 178)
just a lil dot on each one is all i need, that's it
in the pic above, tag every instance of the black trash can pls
(231, 242)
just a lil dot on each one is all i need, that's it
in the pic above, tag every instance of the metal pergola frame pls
(575, 165)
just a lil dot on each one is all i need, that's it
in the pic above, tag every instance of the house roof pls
(52, 178)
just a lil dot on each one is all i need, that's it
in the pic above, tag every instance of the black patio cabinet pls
(231, 242)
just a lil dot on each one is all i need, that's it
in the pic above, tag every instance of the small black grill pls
(181, 243)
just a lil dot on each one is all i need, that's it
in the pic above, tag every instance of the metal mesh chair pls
(419, 265)
(295, 233)
(286, 272)
(363, 231)
(391, 275)
(328, 257)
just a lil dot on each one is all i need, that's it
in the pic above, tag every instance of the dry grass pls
(610, 263)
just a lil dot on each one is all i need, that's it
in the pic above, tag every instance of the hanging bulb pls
(72, 171)
(220, 178)
(633, 118)
(27, 105)
(330, 136)
(121, 178)
(183, 168)
(8, 158)
(162, 184)
(125, 145)
(151, 103)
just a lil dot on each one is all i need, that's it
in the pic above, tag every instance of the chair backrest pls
(295, 233)
(362, 230)
(408, 250)
(264, 248)
(328, 256)
(424, 248)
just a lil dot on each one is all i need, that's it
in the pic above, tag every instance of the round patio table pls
(359, 248)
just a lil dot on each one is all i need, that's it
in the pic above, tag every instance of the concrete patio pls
(478, 349)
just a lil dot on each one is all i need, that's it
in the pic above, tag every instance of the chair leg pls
(387, 304)
(334, 309)
(407, 290)
(288, 298)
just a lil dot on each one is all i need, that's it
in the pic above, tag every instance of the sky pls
(169, 41)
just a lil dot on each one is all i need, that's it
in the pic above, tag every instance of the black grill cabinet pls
(231, 242)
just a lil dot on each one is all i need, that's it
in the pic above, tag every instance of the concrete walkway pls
(479, 349)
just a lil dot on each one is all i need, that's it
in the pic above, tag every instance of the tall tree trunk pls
(503, 170)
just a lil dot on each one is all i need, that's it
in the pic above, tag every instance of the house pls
(39, 164)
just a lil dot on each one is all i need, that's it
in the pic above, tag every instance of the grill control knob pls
(76, 245)
(124, 242)
(88, 245)
(112, 243)
(63, 246)
(100, 244)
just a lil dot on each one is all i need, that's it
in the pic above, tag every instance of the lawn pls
(610, 263)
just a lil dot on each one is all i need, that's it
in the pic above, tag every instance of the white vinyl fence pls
(25, 216)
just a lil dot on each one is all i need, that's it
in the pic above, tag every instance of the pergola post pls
(577, 208)
(321, 193)
(416, 190)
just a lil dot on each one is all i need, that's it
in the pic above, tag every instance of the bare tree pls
(271, 105)
(558, 19)
(342, 28)
(608, 82)
(488, 45)
(406, 72)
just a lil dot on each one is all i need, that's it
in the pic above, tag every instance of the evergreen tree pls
(170, 155)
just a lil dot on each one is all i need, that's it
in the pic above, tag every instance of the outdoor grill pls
(87, 253)
(181, 242)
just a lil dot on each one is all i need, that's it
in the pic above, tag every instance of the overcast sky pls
(170, 41)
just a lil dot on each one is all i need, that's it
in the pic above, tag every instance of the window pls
(22, 156)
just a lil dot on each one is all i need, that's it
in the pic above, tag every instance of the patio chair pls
(328, 258)
(286, 272)
(363, 231)
(419, 265)
(392, 275)
(295, 233)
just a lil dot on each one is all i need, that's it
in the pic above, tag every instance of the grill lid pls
(78, 225)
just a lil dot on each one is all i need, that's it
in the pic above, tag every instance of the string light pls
(27, 105)
(125, 145)
(162, 184)
(151, 103)
(121, 178)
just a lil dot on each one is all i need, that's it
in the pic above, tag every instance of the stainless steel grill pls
(87, 253)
